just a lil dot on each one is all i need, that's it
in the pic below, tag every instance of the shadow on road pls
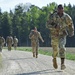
(18, 58)
(47, 71)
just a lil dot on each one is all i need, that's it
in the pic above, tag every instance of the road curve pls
(22, 63)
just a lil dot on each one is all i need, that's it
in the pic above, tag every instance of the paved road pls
(22, 63)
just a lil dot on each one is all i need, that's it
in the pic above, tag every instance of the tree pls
(6, 24)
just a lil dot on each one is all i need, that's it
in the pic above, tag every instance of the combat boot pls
(36, 56)
(33, 54)
(62, 64)
(55, 63)
(63, 67)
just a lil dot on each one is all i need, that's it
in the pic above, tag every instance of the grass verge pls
(69, 56)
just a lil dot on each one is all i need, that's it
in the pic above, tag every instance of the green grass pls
(45, 52)
(69, 55)
(30, 50)
(24, 48)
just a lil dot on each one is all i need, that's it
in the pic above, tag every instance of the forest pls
(19, 21)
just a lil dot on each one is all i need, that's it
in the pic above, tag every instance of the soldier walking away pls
(15, 42)
(34, 36)
(60, 25)
(9, 42)
(1, 43)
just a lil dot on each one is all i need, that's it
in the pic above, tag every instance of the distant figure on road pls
(34, 36)
(2, 41)
(9, 42)
(60, 25)
(15, 42)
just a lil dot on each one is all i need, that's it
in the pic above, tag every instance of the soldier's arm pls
(31, 35)
(50, 24)
(3, 40)
(17, 40)
(70, 26)
(40, 37)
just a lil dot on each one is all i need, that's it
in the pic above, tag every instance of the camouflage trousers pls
(15, 46)
(58, 45)
(9, 46)
(35, 47)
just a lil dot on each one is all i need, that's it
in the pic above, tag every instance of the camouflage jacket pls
(15, 40)
(9, 40)
(34, 36)
(64, 23)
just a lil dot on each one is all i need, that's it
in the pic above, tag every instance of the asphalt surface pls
(22, 63)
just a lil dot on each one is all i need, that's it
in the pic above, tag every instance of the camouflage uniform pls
(3, 40)
(60, 25)
(9, 41)
(15, 42)
(1, 43)
(58, 35)
(34, 36)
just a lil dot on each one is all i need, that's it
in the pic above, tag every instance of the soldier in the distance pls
(9, 42)
(34, 36)
(2, 41)
(15, 42)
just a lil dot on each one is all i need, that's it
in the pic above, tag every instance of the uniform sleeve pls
(17, 40)
(3, 40)
(70, 25)
(31, 35)
(51, 22)
(40, 36)
(48, 23)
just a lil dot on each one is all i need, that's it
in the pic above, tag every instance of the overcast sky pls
(6, 5)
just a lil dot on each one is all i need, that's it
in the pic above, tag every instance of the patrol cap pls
(60, 6)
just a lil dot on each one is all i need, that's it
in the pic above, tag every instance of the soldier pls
(60, 25)
(9, 41)
(1, 43)
(34, 36)
(3, 40)
(15, 42)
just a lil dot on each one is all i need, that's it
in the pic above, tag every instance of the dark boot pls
(55, 63)
(62, 64)
(36, 56)
(36, 52)
(33, 54)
